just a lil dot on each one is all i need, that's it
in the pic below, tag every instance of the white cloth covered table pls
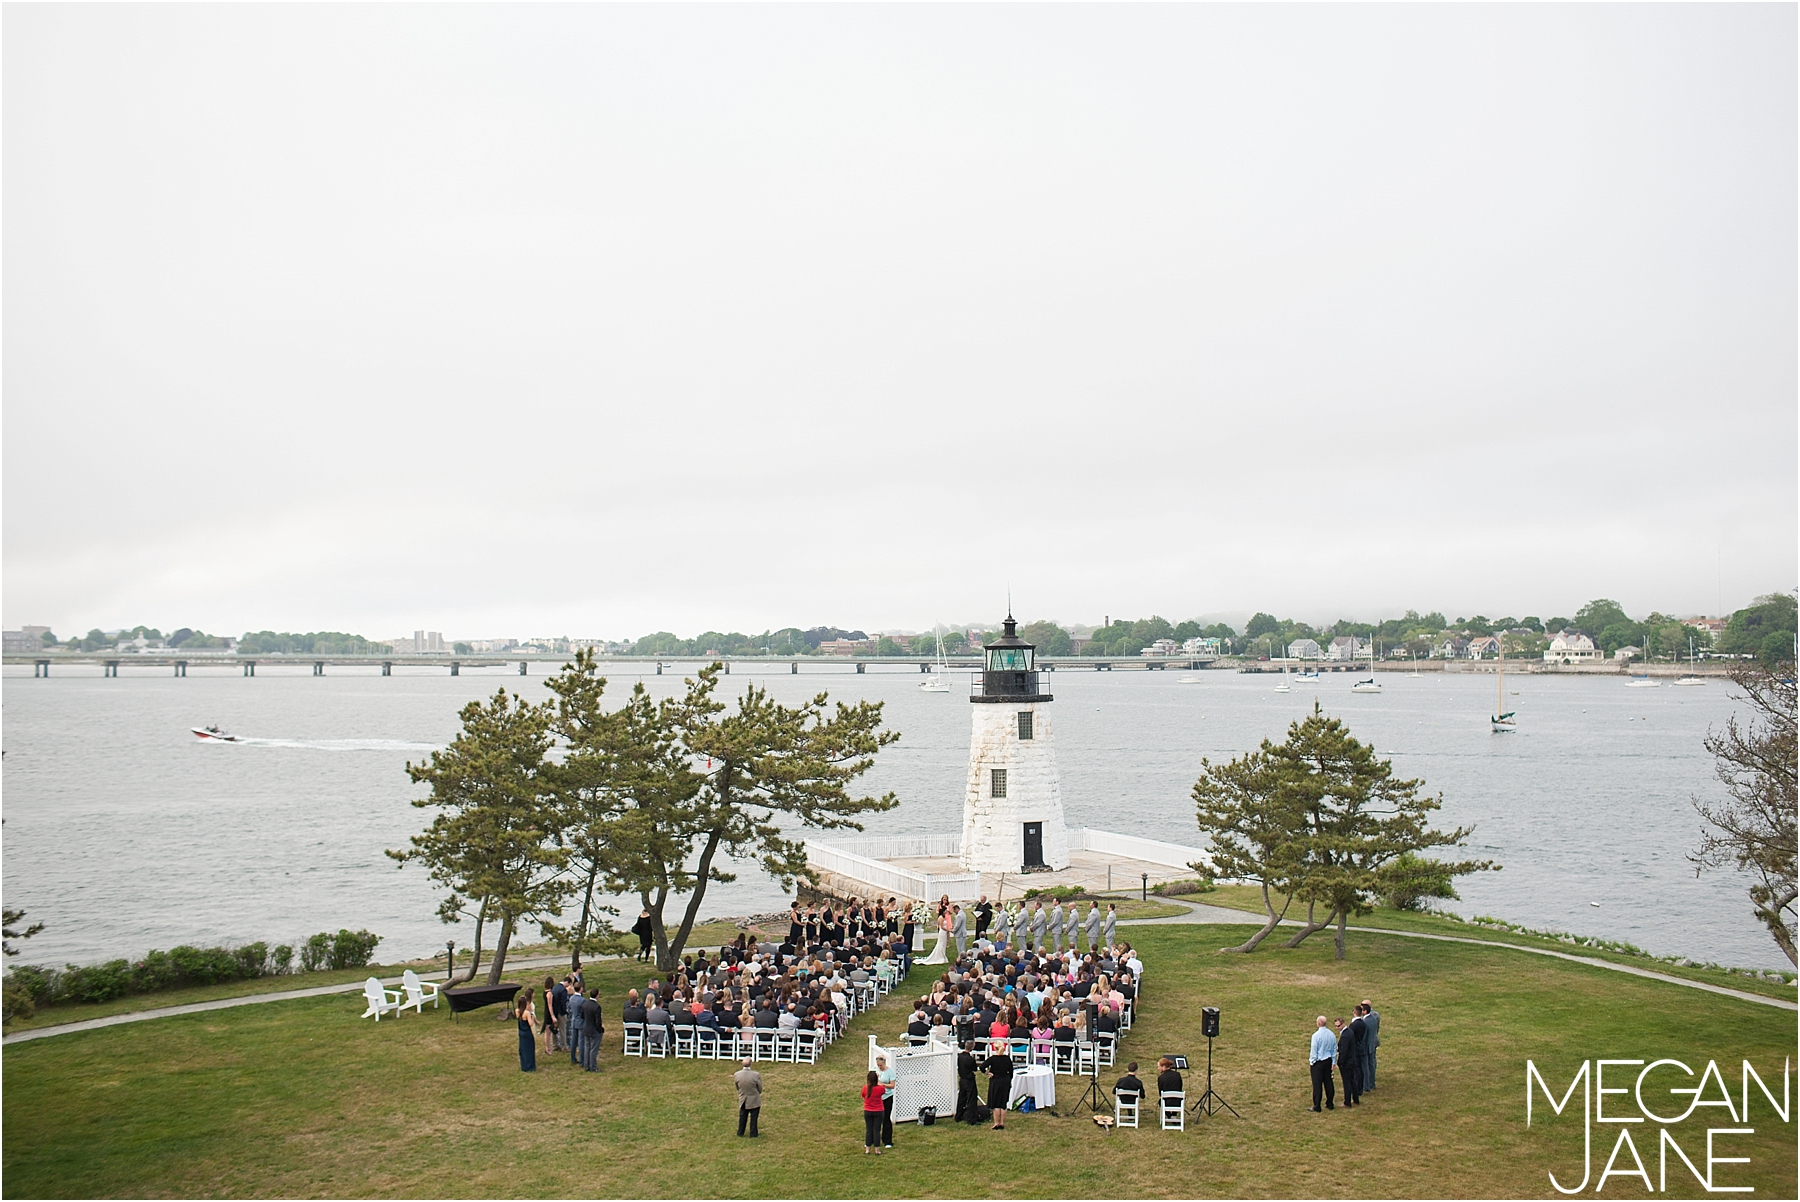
(1035, 1081)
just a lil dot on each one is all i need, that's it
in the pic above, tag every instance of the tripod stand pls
(1092, 1097)
(1210, 1102)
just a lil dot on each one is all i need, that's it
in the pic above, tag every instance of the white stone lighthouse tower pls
(1012, 813)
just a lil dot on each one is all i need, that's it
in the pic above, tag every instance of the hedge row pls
(29, 986)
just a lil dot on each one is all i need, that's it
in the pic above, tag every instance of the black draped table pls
(473, 997)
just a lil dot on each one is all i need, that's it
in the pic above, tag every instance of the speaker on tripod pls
(1210, 1102)
(1092, 1097)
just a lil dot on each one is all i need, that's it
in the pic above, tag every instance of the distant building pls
(1199, 646)
(847, 647)
(1347, 646)
(485, 646)
(25, 639)
(1162, 647)
(422, 642)
(1571, 647)
(1305, 649)
(1450, 648)
(1482, 646)
(1627, 653)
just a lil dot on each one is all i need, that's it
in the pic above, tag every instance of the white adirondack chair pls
(381, 1001)
(417, 992)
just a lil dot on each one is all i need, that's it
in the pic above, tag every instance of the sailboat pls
(1305, 673)
(1414, 674)
(1642, 679)
(1503, 717)
(939, 680)
(1369, 685)
(1690, 678)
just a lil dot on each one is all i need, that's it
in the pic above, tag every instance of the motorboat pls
(1642, 682)
(1688, 680)
(213, 734)
(1366, 686)
(1283, 687)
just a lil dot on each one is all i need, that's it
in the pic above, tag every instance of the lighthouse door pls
(1034, 845)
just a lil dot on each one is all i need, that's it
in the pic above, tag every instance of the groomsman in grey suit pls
(1111, 925)
(1093, 927)
(1036, 939)
(1371, 1041)
(1056, 926)
(1002, 924)
(959, 930)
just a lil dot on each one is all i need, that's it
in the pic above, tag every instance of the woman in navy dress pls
(527, 1034)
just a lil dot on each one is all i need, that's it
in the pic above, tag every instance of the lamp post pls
(1146, 887)
(449, 960)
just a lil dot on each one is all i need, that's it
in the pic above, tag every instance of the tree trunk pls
(1311, 926)
(1342, 918)
(475, 959)
(1274, 921)
(669, 951)
(587, 905)
(506, 930)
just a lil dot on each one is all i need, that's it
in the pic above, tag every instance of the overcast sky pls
(511, 321)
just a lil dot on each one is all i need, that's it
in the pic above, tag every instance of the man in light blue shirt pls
(1321, 1052)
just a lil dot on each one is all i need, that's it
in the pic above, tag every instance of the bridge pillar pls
(859, 668)
(387, 668)
(794, 669)
(659, 669)
(41, 668)
(455, 668)
(181, 667)
(249, 667)
(112, 667)
(727, 667)
(318, 667)
(521, 667)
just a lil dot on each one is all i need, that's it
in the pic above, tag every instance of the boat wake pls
(326, 744)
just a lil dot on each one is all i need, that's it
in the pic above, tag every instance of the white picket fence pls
(866, 860)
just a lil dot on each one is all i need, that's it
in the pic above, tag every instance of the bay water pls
(122, 832)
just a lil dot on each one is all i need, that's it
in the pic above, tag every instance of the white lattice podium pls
(923, 1076)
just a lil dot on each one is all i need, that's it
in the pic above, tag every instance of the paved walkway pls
(1197, 912)
(1200, 912)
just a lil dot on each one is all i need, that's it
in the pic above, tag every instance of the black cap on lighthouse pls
(1010, 674)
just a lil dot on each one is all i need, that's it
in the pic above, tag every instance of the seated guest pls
(790, 1018)
(1129, 1083)
(657, 1023)
(1167, 1079)
(634, 1009)
(1106, 1021)
(766, 1018)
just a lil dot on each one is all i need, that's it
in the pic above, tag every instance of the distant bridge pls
(111, 661)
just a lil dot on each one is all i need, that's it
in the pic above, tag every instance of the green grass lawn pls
(305, 1098)
(1249, 899)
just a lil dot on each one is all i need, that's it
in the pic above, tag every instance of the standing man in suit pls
(1003, 928)
(1350, 1057)
(1093, 928)
(959, 930)
(968, 1096)
(1056, 926)
(1110, 924)
(593, 1027)
(1036, 939)
(749, 1091)
(1319, 1053)
(984, 918)
(1372, 1021)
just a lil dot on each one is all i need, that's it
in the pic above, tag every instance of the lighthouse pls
(1012, 812)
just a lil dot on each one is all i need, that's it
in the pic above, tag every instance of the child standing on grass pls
(874, 1094)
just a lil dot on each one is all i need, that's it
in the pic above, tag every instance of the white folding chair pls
(806, 1047)
(656, 1041)
(787, 1049)
(1063, 1059)
(706, 1043)
(1087, 1059)
(1109, 1046)
(381, 1001)
(1174, 1110)
(917, 1041)
(1125, 1108)
(1019, 1051)
(765, 1044)
(685, 1042)
(634, 1039)
(1125, 1017)
(417, 992)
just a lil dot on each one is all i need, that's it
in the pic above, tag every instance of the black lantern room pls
(1010, 674)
